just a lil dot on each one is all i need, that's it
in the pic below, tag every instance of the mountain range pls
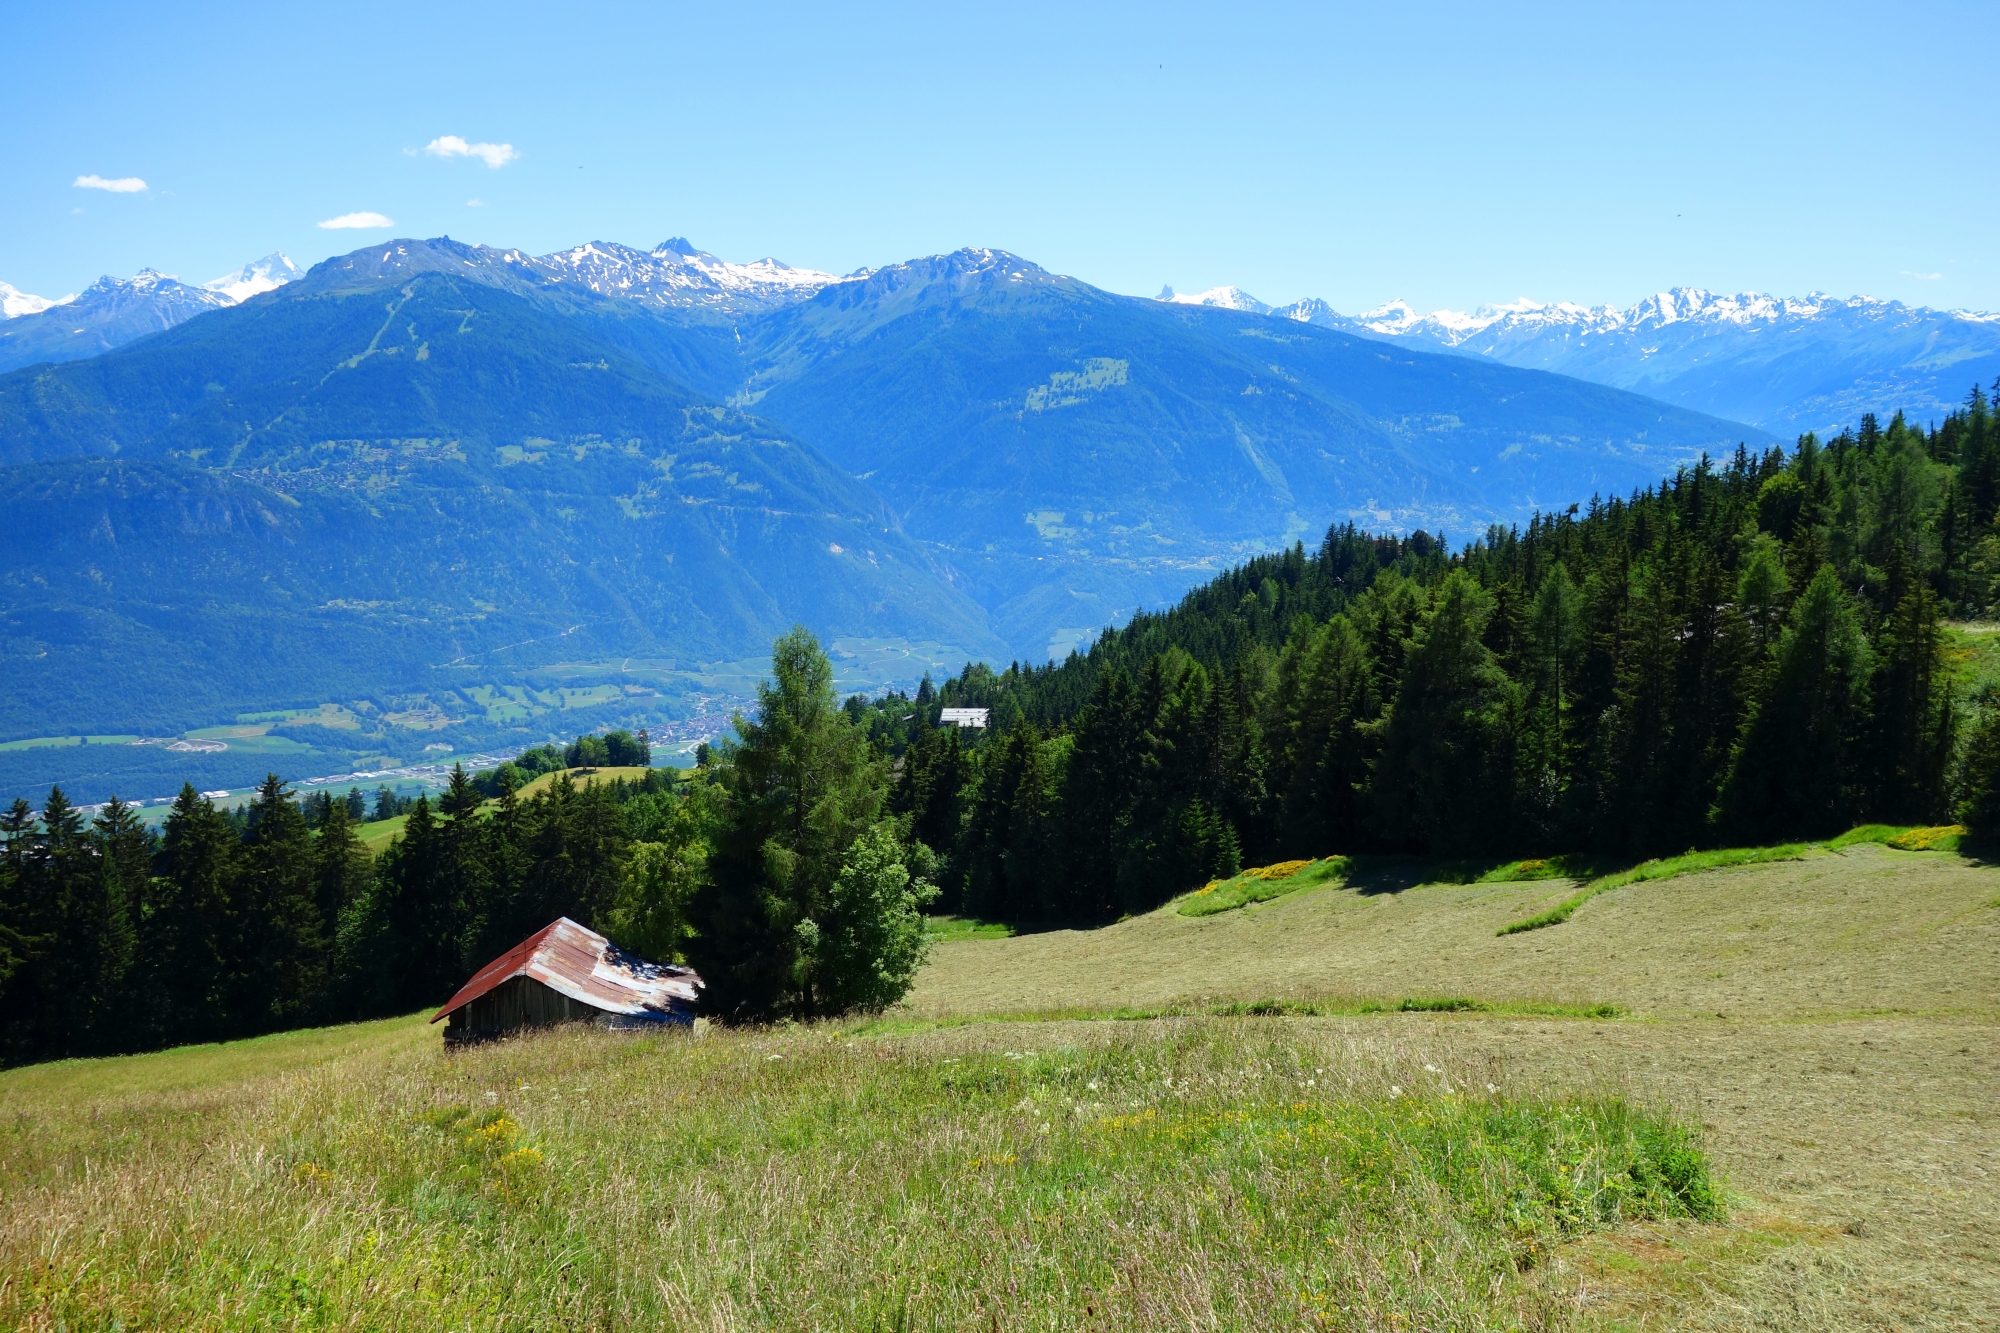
(430, 465)
(114, 311)
(1787, 365)
(1783, 364)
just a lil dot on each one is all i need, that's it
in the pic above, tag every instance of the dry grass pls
(1835, 1020)
(1856, 931)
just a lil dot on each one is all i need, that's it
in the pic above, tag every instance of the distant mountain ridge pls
(428, 457)
(1784, 364)
(114, 311)
(1079, 454)
(257, 277)
(296, 496)
(14, 302)
(674, 273)
(1781, 364)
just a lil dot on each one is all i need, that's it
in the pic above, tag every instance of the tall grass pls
(1198, 1173)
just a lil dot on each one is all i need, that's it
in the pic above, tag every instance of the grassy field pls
(1833, 1022)
(377, 834)
(583, 777)
(1372, 1111)
(1075, 1175)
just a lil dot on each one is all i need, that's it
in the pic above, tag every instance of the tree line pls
(776, 868)
(1751, 651)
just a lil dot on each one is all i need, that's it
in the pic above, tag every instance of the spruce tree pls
(1328, 693)
(801, 784)
(185, 942)
(341, 868)
(1914, 716)
(463, 859)
(425, 956)
(17, 939)
(1444, 779)
(1979, 777)
(1097, 802)
(281, 937)
(1552, 639)
(1796, 770)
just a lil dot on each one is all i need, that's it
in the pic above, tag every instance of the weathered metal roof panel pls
(580, 963)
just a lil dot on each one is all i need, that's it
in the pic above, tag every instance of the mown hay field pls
(1832, 1022)
(1854, 931)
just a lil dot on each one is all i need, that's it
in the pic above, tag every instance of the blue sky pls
(1446, 154)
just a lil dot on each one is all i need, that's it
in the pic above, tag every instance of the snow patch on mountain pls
(1677, 305)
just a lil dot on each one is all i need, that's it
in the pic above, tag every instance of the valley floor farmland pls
(1830, 1022)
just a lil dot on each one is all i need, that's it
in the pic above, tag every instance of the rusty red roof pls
(582, 964)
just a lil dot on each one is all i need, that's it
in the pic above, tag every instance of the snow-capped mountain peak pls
(1807, 362)
(267, 274)
(1800, 362)
(14, 302)
(674, 273)
(1228, 298)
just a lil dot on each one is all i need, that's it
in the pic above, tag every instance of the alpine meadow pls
(924, 762)
(1751, 657)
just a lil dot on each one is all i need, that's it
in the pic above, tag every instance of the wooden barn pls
(565, 973)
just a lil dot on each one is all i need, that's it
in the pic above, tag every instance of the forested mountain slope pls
(427, 455)
(1746, 653)
(354, 483)
(1079, 452)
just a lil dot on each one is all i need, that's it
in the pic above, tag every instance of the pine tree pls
(1795, 772)
(801, 785)
(281, 938)
(341, 869)
(185, 940)
(1443, 782)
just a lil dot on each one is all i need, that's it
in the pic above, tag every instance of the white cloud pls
(351, 221)
(475, 203)
(494, 155)
(1925, 277)
(123, 185)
